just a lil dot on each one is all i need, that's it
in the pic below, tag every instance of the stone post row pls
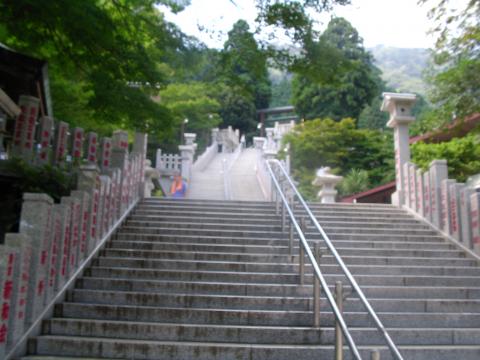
(54, 239)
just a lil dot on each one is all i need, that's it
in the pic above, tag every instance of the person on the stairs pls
(179, 187)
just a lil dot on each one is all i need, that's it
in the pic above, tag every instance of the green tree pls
(461, 154)
(455, 79)
(104, 57)
(193, 101)
(342, 147)
(243, 68)
(351, 91)
(355, 181)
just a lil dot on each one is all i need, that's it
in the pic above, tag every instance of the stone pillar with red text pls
(9, 264)
(120, 161)
(92, 146)
(61, 141)
(36, 222)
(75, 229)
(438, 172)
(446, 208)
(19, 289)
(64, 212)
(77, 145)
(84, 203)
(427, 204)
(45, 133)
(88, 181)
(24, 130)
(420, 192)
(465, 217)
(400, 108)
(475, 220)
(455, 215)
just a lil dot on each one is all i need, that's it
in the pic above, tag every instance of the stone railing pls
(55, 242)
(227, 165)
(449, 206)
(203, 160)
(169, 164)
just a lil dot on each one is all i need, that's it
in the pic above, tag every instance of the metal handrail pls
(316, 269)
(380, 327)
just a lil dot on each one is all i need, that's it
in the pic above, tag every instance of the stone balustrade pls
(56, 241)
(451, 207)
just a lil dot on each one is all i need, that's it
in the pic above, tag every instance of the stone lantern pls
(400, 108)
(327, 181)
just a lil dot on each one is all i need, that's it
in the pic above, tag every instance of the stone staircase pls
(193, 279)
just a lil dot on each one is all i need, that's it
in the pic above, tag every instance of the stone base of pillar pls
(327, 196)
(397, 198)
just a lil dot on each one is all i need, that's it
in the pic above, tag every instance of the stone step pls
(265, 289)
(234, 255)
(266, 302)
(259, 317)
(260, 231)
(202, 218)
(143, 349)
(203, 203)
(271, 278)
(218, 226)
(251, 334)
(331, 268)
(267, 208)
(171, 350)
(277, 249)
(280, 239)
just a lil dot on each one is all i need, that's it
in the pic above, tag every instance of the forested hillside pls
(402, 68)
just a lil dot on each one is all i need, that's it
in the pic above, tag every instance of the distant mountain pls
(402, 68)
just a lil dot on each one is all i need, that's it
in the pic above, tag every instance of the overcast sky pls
(397, 23)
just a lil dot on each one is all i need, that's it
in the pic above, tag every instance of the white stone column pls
(186, 152)
(140, 148)
(438, 172)
(400, 108)
(475, 220)
(259, 142)
(214, 134)
(120, 161)
(189, 138)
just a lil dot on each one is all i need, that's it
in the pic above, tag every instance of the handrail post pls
(290, 244)
(316, 290)
(301, 258)
(338, 330)
(375, 355)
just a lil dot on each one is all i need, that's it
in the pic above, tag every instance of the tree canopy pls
(455, 90)
(349, 92)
